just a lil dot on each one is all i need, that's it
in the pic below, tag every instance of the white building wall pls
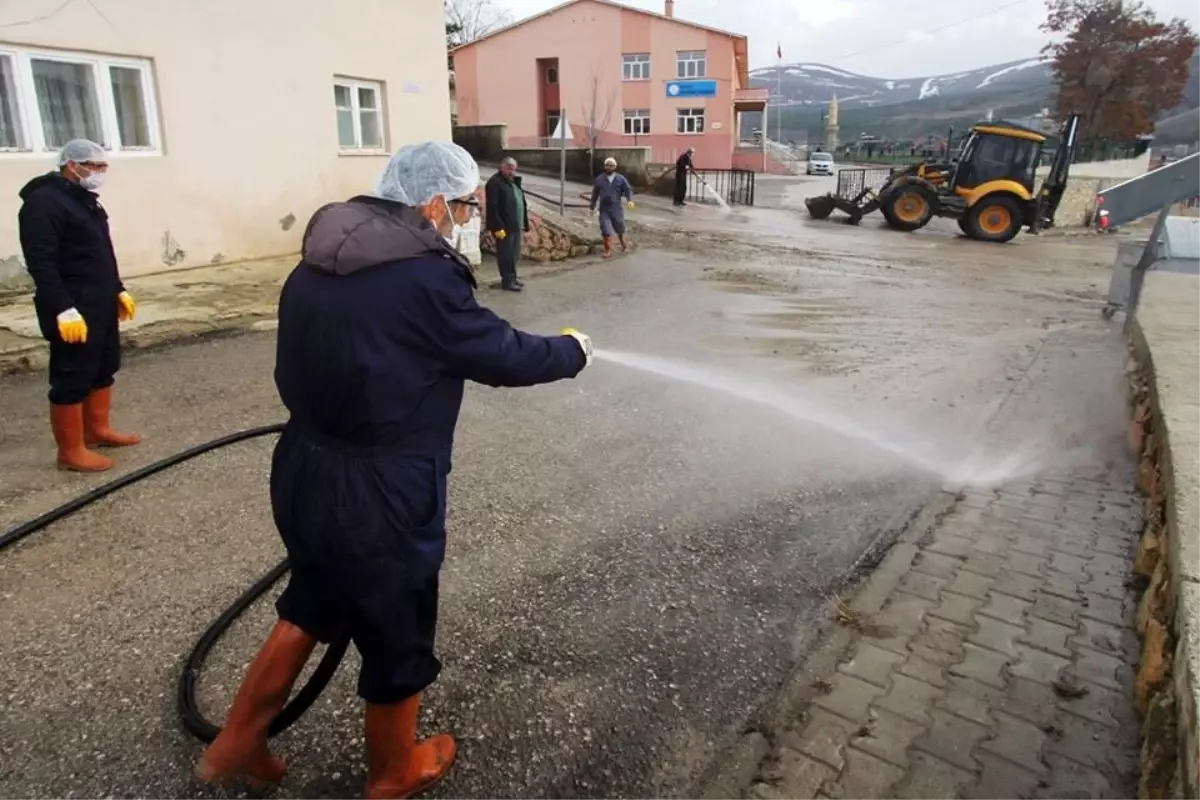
(243, 98)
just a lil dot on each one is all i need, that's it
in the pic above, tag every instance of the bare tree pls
(467, 20)
(597, 111)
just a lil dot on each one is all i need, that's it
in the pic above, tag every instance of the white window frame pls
(637, 122)
(691, 64)
(30, 122)
(684, 115)
(354, 84)
(635, 66)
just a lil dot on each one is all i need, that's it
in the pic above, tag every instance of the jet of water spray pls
(716, 195)
(976, 470)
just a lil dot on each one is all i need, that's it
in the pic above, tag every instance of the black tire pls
(994, 219)
(962, 226)
(908, 207)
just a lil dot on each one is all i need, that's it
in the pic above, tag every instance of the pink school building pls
(646, 79)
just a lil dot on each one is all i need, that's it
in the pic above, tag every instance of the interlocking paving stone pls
(953, 739)
(953, 695)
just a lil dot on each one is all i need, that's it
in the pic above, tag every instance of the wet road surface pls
(635, 564)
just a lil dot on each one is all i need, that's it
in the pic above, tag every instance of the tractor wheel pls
(994, 219)
(962, 226)
(908, 207)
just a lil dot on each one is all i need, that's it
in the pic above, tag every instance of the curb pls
(742, 765)
(1169, 610)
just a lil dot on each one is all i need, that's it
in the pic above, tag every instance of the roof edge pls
(611, 3)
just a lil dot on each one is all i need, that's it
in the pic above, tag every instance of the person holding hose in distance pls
(609, 190)
(378, 331)
(79, 299)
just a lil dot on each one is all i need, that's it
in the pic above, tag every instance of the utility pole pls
(562, 162)
(779, 92)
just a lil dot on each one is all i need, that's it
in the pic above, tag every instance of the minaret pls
(831, 126)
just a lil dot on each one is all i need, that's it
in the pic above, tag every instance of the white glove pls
(585, 344)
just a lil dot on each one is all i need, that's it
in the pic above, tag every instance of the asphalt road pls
(635, 562)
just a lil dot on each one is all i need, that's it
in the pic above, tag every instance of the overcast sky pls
(883, 38)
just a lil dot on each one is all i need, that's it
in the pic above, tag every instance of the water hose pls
(193, 720)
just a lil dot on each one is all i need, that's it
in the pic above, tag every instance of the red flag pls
(779, 51)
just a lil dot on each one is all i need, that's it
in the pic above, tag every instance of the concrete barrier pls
(1165, 341)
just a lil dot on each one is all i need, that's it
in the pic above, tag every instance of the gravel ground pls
(635, 563)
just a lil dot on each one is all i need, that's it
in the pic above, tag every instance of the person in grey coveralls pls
(608, 192)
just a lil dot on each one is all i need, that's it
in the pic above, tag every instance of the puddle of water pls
(975, 467)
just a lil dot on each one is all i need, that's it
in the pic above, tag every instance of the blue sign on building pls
(691, 88)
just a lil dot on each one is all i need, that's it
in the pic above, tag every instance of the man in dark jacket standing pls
(378, 330)
(79, 299)
(507, 219)
(683, 165)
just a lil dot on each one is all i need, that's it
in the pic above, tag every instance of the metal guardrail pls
(734, 186)
(852, 181)
(1137, 197)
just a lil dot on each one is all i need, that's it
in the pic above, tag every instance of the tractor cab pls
(998, 152)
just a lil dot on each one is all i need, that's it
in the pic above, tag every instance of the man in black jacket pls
(683, 165)
(79, 299)
(507, 219)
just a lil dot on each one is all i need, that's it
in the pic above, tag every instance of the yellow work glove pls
(125, 307)
(630, 204)
(585, 344)
(500, 235)
(71, 327)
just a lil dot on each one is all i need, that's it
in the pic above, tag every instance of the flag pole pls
(779, 92)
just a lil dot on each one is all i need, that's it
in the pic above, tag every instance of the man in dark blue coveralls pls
(378, 330)
(79, 299)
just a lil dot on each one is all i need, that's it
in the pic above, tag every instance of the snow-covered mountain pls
(813, 84)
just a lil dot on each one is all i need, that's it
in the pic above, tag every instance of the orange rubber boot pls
(67, 423)
(239, 754)
(96, 410)
(397, 764)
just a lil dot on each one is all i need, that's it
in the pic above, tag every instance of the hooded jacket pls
(67, 247)
(379, 328)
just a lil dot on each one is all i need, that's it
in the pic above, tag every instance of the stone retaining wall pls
(552, 237)
(1165, 383)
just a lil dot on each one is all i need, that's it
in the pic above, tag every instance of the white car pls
(819, 164)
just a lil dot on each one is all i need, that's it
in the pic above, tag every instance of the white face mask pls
(455, 228)
(92, 182)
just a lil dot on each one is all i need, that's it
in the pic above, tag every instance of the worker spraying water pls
(378, 331)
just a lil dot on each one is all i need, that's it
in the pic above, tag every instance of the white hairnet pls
(417, 173)
(610, 160)
(78, 150)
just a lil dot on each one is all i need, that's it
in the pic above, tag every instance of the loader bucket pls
(820, 207)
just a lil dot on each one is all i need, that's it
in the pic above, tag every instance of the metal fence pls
(852, 181)
(734, 186)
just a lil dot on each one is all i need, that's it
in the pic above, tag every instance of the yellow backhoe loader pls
(988, 187)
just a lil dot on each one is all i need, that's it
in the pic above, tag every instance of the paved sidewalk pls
(1000, 664)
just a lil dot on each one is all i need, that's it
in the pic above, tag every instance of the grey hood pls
(343, 238)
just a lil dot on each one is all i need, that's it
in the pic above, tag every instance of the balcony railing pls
(749, 96)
